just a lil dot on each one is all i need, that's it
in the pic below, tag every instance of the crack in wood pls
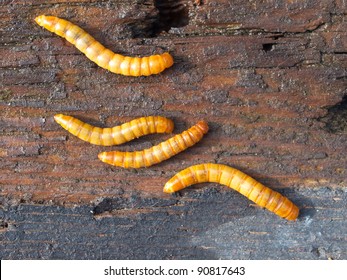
(132, 202)
(336, 119)
(172, 13)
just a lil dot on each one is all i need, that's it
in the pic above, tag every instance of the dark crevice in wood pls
(143, 29)
(172, 13)
(3, 225)
(268, 47)
(132, 202)
(166, 15)
(336, 118)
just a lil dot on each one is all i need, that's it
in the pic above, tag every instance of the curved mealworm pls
(105, 58)
(115, 135)
(237, 180)
(158, 153)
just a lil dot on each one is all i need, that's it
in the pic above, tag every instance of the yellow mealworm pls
(237, 180)
(115, 135)
(105, 58)
(158, 153)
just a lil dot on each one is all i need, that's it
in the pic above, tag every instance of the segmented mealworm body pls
(116, 135)
(237, 180)
(158, 153)
(105, 58)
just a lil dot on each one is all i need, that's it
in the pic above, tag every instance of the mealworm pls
(237, 180)
(115, 135)
(158, 153)
(105, 58)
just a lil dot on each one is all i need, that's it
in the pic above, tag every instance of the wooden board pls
(269, 78)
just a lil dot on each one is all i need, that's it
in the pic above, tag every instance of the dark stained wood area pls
(270, 78)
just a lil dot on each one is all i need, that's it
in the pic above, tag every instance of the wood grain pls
(185, 227)
(264, 76)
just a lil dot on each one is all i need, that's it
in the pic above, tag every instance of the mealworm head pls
(167, 59)
(293, 214)
(203, 126)
(166, 127)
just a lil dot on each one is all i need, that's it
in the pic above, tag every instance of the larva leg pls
(116, 135)
(237, 180)
(158, 153)
(103, 57)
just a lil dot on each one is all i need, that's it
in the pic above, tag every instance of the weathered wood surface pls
(269, 77)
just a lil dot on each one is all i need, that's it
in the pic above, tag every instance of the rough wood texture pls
(270, 78)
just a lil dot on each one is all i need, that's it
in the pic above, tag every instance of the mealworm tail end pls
(62, 119)
(174, 185)
(44, 21)
(39, 20)
(102, 156)
(109, 157)
(168, 188)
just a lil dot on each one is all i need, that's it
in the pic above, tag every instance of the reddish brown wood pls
(261, 75)
(268, 76)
